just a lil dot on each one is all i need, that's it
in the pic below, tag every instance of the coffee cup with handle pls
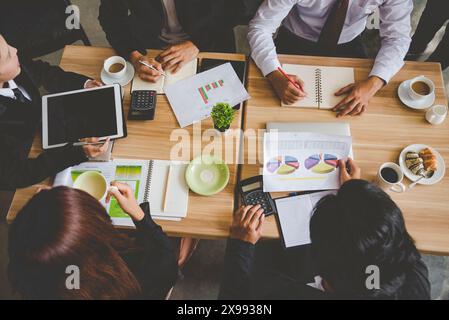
(94, 183)
(389, 177)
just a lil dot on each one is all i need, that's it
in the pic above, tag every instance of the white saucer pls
(123, 81)
(411, 103)
(438, 174)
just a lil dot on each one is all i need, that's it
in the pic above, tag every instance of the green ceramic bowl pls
(207, 175)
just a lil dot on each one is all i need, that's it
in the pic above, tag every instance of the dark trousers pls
(434, 16)
(275, 267)
(289, 43)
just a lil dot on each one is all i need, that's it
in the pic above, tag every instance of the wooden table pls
(208, 217)
(378, 136)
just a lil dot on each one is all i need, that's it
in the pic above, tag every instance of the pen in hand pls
(151, 67)
(297, 85)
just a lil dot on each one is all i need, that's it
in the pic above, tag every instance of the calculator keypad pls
(259, 197)
(142, 100)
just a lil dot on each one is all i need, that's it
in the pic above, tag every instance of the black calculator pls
(252, 194)
(143, 105)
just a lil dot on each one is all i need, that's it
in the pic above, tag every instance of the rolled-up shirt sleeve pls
(261, 29)
(395, 34)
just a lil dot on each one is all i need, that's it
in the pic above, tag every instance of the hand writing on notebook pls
(93, 151)
(247, 224)
(144, 72)
(349, 171)
(176, 56)
(286, 91)
(125, 198)
(358, 96)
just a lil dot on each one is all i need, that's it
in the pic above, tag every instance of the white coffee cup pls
(416, 95)
(436, 114)
(389, 177)
(94, 183)
(113, 61)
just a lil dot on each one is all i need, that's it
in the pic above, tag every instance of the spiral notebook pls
(321, 83)
(159, 182)
(187, 71)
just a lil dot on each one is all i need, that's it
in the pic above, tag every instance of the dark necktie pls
(330, 34)
(20, 96)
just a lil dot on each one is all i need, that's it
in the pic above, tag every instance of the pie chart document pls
(303, 161)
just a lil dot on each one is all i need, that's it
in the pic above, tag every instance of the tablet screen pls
(81, 115)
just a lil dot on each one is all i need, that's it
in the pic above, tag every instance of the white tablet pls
(70, 116)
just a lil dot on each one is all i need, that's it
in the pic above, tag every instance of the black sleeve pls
(16, 172)
(158, 267)
(238, 266)
(152, 232)
(54, 79)
(114, 21)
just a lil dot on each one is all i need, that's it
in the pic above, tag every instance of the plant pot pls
(221, 129)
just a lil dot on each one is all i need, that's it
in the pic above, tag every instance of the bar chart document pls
(192, 99)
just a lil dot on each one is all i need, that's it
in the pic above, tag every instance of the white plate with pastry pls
(417, 159)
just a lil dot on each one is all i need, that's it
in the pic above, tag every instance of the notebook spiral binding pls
(318, 86)
(148, 181)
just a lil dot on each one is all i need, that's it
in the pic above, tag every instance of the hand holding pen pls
(147, 69)
(289, 88)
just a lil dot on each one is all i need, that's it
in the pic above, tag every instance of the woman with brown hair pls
(64, 227)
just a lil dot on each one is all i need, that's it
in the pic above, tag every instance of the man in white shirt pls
(330, 28)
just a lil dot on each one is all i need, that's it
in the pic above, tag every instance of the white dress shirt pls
(9, 93)
(172, 31)
(306, 18)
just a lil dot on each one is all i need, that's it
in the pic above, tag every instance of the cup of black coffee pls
(115, 67)
(390, 177)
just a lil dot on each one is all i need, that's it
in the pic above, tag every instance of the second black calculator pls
(143, 105)
(252, 194)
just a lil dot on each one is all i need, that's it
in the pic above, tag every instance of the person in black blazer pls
(112, 264)
(20, 113)
(181, 27)
(353, 233)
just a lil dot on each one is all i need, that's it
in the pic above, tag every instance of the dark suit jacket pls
(209, 23)
(19, 122)
(155, 266)
(238, 271)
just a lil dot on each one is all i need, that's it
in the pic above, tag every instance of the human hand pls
(145, 73)
(286, 91)
(354, 171)
(93, 151)
(176, 56)
(93, 84)
(126, 199)
(358, 96)
(247, 224)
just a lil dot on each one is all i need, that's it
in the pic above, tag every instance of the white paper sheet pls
(294, 217)
(303, 161)
(192, 99)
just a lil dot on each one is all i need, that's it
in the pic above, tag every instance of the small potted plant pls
(223, 115)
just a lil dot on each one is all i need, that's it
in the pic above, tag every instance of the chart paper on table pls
(303, 161)
(192, 99)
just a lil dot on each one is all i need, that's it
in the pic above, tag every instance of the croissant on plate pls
(429, 159)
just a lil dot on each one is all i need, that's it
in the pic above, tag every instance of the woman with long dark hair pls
(63, 227)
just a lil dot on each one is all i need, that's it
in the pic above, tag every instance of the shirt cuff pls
(269, 67)
(85, 83)
(384, 72)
